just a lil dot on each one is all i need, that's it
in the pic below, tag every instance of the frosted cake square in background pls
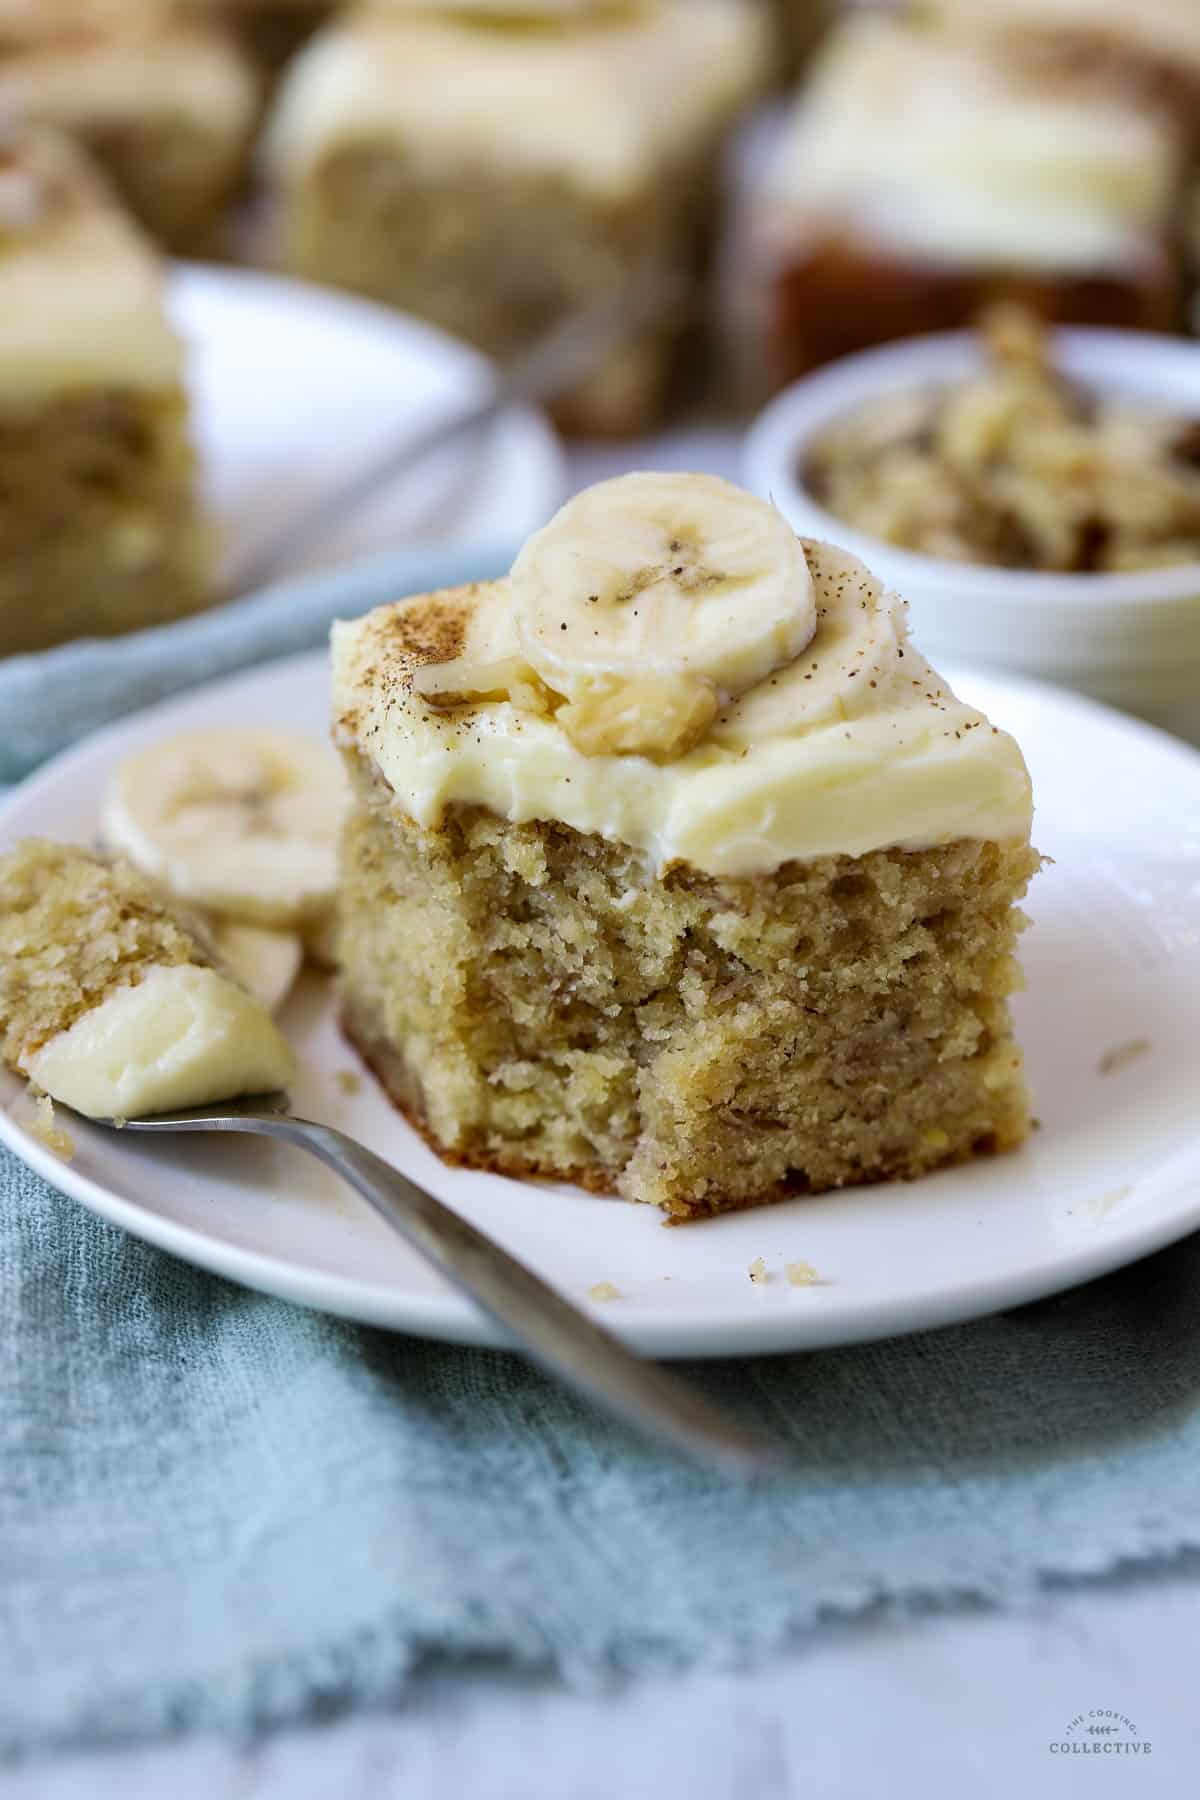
(673, 869)
(921, 178)
(492, 174)
(99, 527)
(167, 112)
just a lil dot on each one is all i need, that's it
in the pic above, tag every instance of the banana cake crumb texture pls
(74, 927)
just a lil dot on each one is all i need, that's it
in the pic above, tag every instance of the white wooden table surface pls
(947, 1709)
(950, 1708)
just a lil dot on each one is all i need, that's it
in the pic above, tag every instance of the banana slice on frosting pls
(666, 575)
(643, 607)
(243, 823)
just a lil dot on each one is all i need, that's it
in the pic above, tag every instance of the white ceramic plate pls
(1113, 960)
(294, 387)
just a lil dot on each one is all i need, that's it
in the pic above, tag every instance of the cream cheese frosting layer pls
(80, 289)
(856, 746)
(182, 1036)
(603, 102)
(929, 145)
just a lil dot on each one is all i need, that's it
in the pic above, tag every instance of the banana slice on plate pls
(243, 823)
(264, 961)
(662, 575)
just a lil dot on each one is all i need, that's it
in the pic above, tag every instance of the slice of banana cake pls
(100, 525)
(674, 869)
(113, 1000)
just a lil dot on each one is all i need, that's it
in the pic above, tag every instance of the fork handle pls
(555, 1333)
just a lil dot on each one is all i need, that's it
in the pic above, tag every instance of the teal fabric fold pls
(222, 1513)
(219, 1512)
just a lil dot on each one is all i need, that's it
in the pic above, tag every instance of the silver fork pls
(554, 1333)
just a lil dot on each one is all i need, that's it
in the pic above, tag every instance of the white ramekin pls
(1132, 639)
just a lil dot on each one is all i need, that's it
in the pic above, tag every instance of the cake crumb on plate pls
(49, 1132)
(1099, 1207)
(349, 1081)
(802, 1274)
(758, 1271)
(1121, 1055)
(603, 1290)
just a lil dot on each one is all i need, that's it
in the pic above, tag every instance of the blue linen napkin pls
(221, 1512)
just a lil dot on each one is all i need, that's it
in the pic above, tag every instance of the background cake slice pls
(99, 526)
(704, 957)
(166, 108)
(493, 175)
(100, 530)
(923, 176)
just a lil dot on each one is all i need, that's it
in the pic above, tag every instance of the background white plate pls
(1114, 957)
(294, 387)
